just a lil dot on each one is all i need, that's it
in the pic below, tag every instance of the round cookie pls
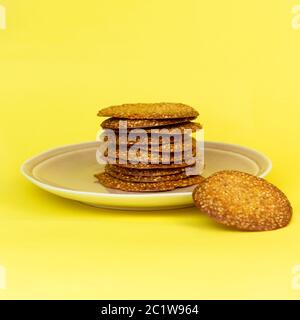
(176, 129)
(243, 201)
(162, 110)
(168, 147)
(147, 140)
(148, 166)
(145, 173)
(171, 147)
(113, 123)
(148, 157)
(122, 151)
(110, 182)
(156, 161)
(139, 178)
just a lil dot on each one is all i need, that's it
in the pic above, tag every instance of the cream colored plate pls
(68, 172)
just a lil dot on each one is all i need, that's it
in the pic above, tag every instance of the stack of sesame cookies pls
(149, 146)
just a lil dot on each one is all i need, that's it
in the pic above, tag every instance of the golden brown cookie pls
(176, 129)
(110, 182)
(139, 178)
(147, 172)
(148, 166)
(162, 110)
(114, 123)
(156, 160)
(243, 201)
(155, 165)
(172, 148)
(142, 140)
(177, 149)
(147, 157)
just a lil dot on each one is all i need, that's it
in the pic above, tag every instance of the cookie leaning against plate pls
(115, 123)
(161, 110)
(110, 182)
(243, 201)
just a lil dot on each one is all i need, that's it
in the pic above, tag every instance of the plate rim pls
(47, 186)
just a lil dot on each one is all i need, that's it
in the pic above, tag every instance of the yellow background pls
(237, 62)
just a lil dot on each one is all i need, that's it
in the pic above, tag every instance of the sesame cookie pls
(139, 178)
(154, 159)
(147, 156)
(180, 128)
(114, 123)
(141, 140)
(110, 182)
(171, 147)
(145, 173)
(162, 110)
(148, 166)
(243, 201)
(167, 147)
